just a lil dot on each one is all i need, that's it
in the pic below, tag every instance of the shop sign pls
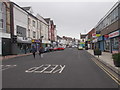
(95, 40)
(36, 41)
(82, 42)
(98, 35)
(94, 35)
(100, 38)
(106, 36)
(97, 32)
(89, 40)
(114, 34)
(33, 40)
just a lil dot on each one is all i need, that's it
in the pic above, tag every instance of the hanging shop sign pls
(94, 35)
(106, 37)
(82, 42)
(89, 40)
(95, 40)
(98, 35)
(98, 32)
(114, 34)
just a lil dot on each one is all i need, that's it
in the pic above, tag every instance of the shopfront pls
(106, 43)
(101, 43)
(94, 43)
(114, 41)
(36, 43)
(23, 45)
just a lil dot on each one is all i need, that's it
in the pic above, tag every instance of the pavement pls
(70, 68)
(13, 56)
(106, 58)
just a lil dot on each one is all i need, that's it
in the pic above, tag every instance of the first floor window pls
(28, 32)
(1, 24)
(34, 34)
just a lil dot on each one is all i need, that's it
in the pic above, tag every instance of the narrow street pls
(70, 68)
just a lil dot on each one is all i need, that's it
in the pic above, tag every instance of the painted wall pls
(0, 46)
(31, 27)
(20, 18)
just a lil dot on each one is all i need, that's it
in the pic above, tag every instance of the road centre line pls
(107, 72)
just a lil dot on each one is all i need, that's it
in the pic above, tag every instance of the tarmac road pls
(70, 68)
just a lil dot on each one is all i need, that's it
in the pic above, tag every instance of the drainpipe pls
(11, 25)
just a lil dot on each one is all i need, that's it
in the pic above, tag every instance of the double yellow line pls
(107, 72)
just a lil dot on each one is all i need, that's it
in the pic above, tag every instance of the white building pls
(32, 24)
(21, 29)
(44, 29)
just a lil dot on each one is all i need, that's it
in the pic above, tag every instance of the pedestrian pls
(41, 50)
(33, 51)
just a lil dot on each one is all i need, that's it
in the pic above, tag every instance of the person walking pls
(41, 50)
(33, 51)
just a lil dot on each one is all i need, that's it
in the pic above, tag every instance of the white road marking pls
(44, 68)
(33, 69)
(4, 67)
(48, 67)
(60, 70)
(55, 66)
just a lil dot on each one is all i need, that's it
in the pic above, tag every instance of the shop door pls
(6, 46)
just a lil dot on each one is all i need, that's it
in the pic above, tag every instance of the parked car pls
(58, 48)
(46, 49)
(80, 48)
(51, 49)
(61, 48)
(55, 48)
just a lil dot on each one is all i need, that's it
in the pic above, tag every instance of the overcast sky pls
(71, 18)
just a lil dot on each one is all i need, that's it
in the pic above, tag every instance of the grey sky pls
(71, 18)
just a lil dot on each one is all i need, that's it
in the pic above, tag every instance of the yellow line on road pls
(109, 73)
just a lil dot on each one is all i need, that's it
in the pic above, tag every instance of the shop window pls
(29, 21)
(28, 32)
(107, 45)
(33, 23)
(2, 16)
(1, 24)
(116, 43)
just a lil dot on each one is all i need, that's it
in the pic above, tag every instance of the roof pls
(47, 20)
(26, 8)
(67, 38)
(51, 21)
(58, 37)
(41, 19)
(82, 36)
